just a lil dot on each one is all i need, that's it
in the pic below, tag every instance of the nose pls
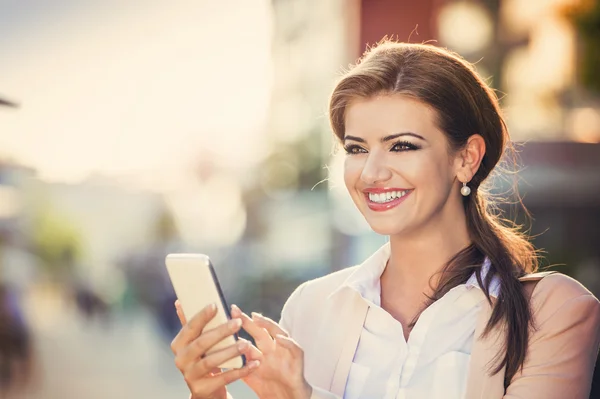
(375, 169)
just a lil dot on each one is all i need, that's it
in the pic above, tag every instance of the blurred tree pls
(165, 230)
(56, 242)
(585, 18)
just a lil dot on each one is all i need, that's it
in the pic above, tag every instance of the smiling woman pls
(452, 134)
(407, 159)
(450, 307)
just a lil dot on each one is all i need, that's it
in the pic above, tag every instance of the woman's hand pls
(281, 372)
(200, 371)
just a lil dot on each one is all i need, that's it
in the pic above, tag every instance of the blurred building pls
(560, 185)
(107, 220)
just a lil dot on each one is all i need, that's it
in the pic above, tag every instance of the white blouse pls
(434, 362)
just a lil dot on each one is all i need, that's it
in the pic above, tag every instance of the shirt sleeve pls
(289, 311)
(289, 316)
(562, 352)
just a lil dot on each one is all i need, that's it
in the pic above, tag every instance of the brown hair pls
(464, 105)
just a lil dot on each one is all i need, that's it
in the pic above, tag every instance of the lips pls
(383, 199)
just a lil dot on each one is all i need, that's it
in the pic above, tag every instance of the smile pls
(382, 199)
(386, 197)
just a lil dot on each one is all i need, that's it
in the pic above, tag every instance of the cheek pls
(352, 172)
(436, 172)
(429, 175)
(434, 181)
(421, 171)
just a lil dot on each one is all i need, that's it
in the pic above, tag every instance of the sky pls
(142, 89)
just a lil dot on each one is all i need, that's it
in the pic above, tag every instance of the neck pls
(416, 257)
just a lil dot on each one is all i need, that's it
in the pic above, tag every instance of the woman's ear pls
(470, 157)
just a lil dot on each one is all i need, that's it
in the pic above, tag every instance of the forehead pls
(388, 114)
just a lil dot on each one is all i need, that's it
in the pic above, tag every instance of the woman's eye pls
(404, 146)
(354, 149)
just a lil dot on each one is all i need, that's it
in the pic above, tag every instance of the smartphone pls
(196, 286)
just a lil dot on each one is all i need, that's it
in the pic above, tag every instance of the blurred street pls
(123, 359)
(130, 130)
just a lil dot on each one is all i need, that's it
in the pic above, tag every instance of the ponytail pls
(511, 256)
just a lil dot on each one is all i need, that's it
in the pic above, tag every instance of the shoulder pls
(558, 291)
(564, 342)
(320, 288)
(304, 303)
(330, 282)
(559, 288)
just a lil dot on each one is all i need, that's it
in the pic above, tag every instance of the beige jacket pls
(559, 364)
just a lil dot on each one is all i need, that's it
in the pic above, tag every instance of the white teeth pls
(387, 196)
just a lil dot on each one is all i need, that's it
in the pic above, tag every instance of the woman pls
(16, 354)
(449, 307)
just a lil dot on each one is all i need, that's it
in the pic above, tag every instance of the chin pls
(387, 228)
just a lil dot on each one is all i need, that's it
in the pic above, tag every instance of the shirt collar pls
(366, 278)
(494, 284)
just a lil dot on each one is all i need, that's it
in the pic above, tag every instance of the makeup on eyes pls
(398, 146)
(386, 138)
(407, 144)
(357, 149)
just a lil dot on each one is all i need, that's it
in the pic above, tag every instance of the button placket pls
(419, 333)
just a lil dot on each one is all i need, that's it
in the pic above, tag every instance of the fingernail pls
(212, 307)
(253, 364)
(257, 315)
(235, 309)
(242, 345)
(235, 323)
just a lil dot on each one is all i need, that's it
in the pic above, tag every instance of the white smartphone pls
(196, 286)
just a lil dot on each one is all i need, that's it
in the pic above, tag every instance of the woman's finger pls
(236, 311)
(201, 345)
(253, 353)
(193, 329)
(261, 336)
(212, 361)
(230, 376)
(271, 326)
(205, 386)
(180, 314)
(289, 344)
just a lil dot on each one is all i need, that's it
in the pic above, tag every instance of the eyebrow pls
(386, 138)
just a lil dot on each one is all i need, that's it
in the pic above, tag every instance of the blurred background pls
(129, 130)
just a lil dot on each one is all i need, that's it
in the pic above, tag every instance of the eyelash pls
(354, 149)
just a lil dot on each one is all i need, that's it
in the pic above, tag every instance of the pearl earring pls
(465, 190)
